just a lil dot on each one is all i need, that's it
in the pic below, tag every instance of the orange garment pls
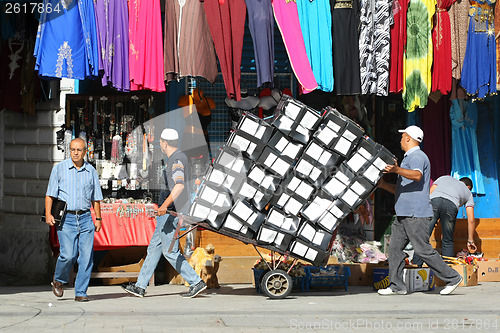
(203, 104)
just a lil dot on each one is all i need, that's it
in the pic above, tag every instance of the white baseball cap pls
(414, 131)
(169, 134)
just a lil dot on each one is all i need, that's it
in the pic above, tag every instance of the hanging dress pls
(497, 37)
(345, 23)
(418, 57)
(465, 153)
(189, 48)
(226, 19)
(374, 46)
(113, 40)
(441, 71)
(479, 71)
(398, 44)
(459, 14)
(261, 25)
(146, 46)
(287, 19)
(66, 42)
(316, 25)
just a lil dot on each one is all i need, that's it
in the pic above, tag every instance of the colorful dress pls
(398, 44)
(345, 23)
(112, 34)
(287, 19)
(146, 46)
(316, 25)
(459, 13)
(226, 19)
(479, 71)
(261, 25)
(418, 56)
(189, 48)
(441, 71)
(66, 42)
(374, 46)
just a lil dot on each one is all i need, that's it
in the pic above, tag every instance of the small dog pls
(209, 272)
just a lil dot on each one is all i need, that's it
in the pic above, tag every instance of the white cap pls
(169, 134)
(414, 131)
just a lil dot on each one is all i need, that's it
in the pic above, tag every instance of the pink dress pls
(287, 18)
(146, 45)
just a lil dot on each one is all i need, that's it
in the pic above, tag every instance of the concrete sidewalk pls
(238, 308)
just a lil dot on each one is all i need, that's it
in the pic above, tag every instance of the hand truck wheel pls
(276, 284)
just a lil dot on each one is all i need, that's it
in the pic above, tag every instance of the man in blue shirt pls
(414, 212)
(75, 182)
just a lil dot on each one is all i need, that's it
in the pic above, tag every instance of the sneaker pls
(196, 289)
(389, 291)
(451, 287)
(134, 290)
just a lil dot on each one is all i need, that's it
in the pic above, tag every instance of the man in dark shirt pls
(174, 197)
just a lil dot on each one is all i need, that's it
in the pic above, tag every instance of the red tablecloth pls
(125, 225)
(122, 225)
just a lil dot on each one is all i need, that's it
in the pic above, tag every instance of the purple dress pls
(261, 24)
(113, 41)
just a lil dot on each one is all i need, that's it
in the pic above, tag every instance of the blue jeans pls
(446, 212)
(76, 237)
(159, 243)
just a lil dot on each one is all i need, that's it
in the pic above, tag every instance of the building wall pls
(29, 152)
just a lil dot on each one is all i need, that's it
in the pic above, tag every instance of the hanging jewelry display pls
(68, 136)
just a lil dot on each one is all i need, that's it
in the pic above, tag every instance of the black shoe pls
(134, 290)
(196, 289)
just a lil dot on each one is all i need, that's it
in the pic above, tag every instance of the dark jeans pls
(413, 229)
(446, 212)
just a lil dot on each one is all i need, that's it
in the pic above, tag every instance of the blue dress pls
(316, 23)
(66, 41)
(479, 70)
(464, 149)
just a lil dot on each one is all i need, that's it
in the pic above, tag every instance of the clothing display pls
(316, 25)
(374, 46)
(479, 71)
(226, 20)
(113, 41)
(398, 44)
(287, 19)
(418, 57)
(497, 36)
(261, 25)
(459, 25)
(441, 71)
(345, 23)
(146, 46)
(189, 48)
(66, 44)
(464, 156)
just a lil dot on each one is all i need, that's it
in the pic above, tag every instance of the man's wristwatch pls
(470, 242)
(98, 218)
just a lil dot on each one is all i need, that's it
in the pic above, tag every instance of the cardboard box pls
(470, 276)
(416, 279)
(132, 268)
(488, 271)
(361, 274)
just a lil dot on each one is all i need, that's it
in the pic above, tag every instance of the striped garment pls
(178, 172)
(78, 187)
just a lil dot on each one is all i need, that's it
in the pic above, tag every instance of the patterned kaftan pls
(418, 58)
(479, 71)
(66, 41)
(441, 71)
(459, 24)
(374, 46)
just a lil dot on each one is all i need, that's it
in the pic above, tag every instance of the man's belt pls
(77, 212)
